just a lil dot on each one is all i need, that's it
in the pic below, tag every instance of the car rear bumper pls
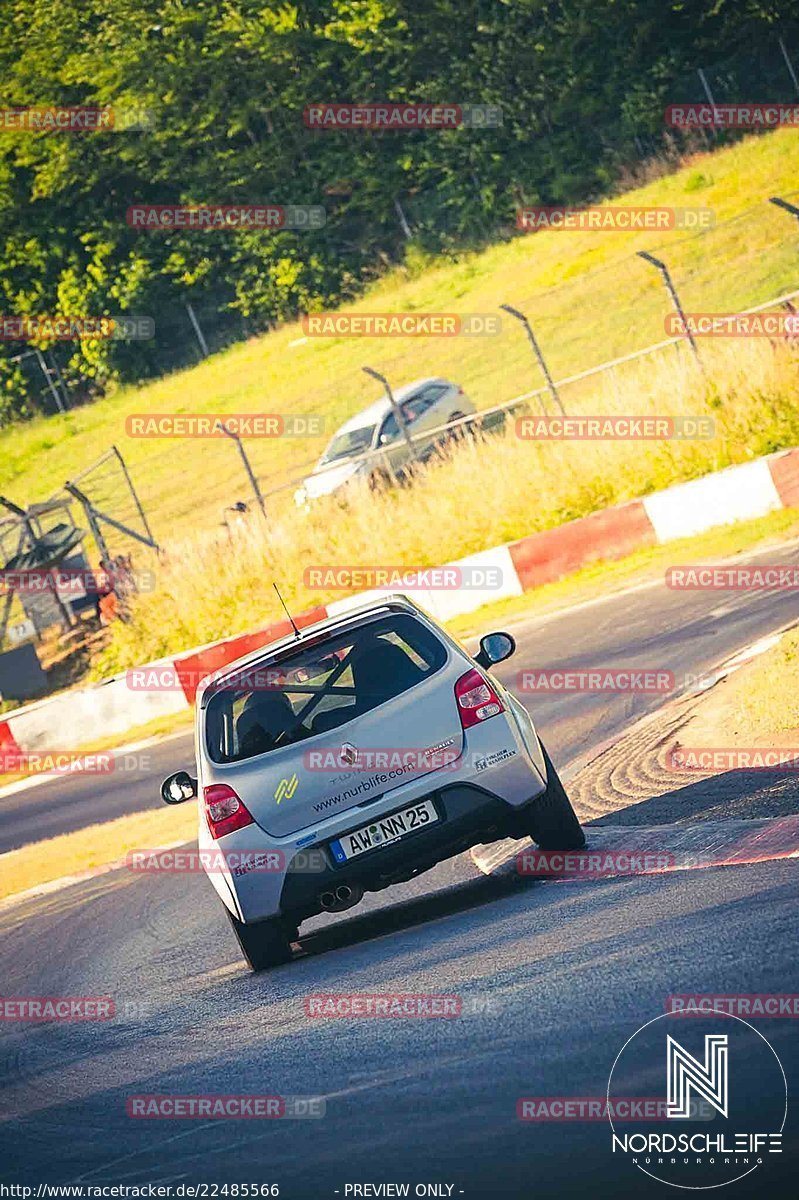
(471, 815)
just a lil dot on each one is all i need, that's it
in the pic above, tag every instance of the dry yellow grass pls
(589, 296)
(488, 491)
(757, 706)
(95, 846)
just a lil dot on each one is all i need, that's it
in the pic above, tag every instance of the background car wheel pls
(551, 821)
(379, 480)
(460, 431)
(263, 944)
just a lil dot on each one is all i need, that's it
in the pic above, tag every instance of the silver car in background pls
(354, 755)
(425, 406)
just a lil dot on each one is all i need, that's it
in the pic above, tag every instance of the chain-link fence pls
(596, 332)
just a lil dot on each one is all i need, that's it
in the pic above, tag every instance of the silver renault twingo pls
(356, 754)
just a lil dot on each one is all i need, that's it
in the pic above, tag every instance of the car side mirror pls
(494, 648)
(178, 787)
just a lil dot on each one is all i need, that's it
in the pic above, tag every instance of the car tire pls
(460, 431)
(379, 480)
(550, 820)
(264, 944)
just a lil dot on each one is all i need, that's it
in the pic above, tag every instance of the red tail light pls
(224, 811)
(477, 700)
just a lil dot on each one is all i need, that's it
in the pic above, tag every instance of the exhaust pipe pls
(345, 896)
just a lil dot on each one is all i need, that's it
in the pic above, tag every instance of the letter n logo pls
(286, 788)
(708, 1079)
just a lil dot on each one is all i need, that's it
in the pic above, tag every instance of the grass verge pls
(96, 846)
(757, 707)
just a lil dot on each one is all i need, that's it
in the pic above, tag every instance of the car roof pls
(382, 407)
(397, 602)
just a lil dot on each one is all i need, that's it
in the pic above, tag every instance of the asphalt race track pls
(685, 632)
(553, 978)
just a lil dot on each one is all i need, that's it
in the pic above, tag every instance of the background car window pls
(412, 409)
(389, 430)
(347, 445)
(432, 394)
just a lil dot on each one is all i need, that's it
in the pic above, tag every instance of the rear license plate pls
(384, 830)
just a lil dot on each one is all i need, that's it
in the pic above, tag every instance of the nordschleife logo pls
(723, 1096)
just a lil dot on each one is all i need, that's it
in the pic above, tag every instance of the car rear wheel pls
(551, 821)
(264, 944)
(457, 432)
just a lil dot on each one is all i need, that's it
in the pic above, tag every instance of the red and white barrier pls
(735, 494)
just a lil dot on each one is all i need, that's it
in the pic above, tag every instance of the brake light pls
(476, 699)
(224, 811)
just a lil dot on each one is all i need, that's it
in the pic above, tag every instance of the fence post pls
(514, 312)
(397, 410)
(60, 378)
(94, 524)
(250, 474)
(789, 65)
(134, 493)
(40, 357)
(706, 86)
(784, 204)
(198, 331)
(675, 299)
(406, 229)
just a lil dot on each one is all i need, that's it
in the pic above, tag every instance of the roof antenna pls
(288, 614)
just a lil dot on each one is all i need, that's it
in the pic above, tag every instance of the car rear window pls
(319, 688)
